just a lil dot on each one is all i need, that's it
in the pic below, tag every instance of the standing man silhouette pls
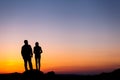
(37, 52)
(26, 52)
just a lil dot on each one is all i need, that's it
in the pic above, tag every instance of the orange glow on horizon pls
(61, 59)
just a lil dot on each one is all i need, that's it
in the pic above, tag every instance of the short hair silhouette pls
(36, 43)
(26, 41)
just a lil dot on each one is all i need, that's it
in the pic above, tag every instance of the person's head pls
(37, 44)
(26, 42)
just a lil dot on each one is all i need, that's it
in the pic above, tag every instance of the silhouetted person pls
(37, 52)
(26, 52)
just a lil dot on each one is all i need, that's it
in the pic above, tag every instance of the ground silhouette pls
(39, 75)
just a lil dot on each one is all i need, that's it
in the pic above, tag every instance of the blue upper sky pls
(63, 16)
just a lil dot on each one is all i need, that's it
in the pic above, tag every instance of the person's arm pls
(41, 50)
(34, 50)
(31, 54)
(22, 51)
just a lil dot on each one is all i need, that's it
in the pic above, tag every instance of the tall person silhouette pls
(37, 52)
(26, 52)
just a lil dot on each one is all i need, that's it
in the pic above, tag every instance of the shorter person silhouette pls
(37, 52)
(26, 52)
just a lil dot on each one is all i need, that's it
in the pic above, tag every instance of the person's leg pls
(25, 64)
(39, 63)
(30, 64)
(36, 62)
(40, 60)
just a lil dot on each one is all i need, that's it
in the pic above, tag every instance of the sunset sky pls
(77, 36)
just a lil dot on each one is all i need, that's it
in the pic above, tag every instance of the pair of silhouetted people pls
(27, 54)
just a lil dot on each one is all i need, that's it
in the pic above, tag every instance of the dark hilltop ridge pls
(39, 75)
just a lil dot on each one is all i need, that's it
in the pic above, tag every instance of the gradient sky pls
(77, 36)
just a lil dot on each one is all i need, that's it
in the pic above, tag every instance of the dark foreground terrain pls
(38, 75)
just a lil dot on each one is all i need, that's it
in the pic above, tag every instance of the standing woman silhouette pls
(37, 52)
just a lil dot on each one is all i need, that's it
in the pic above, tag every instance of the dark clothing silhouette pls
(37, 52)
(26, 52)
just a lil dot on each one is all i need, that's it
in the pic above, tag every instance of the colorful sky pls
(77, 36)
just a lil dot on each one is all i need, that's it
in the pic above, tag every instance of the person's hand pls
(31, 55)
